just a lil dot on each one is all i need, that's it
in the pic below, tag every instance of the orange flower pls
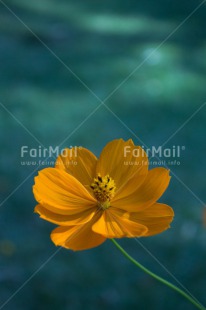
(94, 199)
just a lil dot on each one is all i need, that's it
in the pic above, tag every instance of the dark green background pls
(102, 42)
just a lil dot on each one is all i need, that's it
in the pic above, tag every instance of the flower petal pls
(156, 218)
(112, 225)
(64, 220)
(121, 160)
(149, 192)
(132, 184)
(62, 192)
(79, 162)
(77, 238)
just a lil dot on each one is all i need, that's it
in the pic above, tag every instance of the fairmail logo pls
(160, 155)
(41, 156)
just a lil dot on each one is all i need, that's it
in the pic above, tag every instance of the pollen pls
(104, 190)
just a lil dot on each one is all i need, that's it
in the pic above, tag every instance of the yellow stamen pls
(104, 189)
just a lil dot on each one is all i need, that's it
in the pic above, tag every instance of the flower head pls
(93, 199)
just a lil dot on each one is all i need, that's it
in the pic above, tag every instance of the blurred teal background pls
(42, 102)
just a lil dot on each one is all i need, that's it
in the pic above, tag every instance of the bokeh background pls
(43, 103)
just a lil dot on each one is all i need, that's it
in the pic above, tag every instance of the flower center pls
(104, 189)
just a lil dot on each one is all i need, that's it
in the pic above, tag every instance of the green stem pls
(188, 297)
